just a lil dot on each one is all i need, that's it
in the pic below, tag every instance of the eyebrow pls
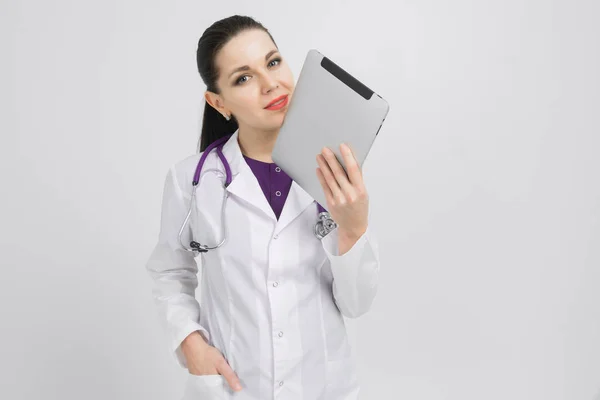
(245, 67)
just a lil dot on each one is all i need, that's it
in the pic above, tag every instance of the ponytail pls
(214, 126)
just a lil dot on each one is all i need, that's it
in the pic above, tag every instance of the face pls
(252, 73)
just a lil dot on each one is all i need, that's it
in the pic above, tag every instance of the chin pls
(275, 120)
(273, 125)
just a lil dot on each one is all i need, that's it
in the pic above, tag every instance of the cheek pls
(288, 78)
(246, 101)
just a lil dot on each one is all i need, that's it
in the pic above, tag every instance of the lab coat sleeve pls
(174, 272)
(355, 273)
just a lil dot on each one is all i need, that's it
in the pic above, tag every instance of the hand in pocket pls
(204, 359)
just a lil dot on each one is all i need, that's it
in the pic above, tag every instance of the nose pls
(269, 83)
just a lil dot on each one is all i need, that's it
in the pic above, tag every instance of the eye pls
(275, 59)
(238, 82)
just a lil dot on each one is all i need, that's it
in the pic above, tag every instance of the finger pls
(203, 373)
(326, 189)
(338, 172)
(352, 167)
(329, 178)
(232, 379)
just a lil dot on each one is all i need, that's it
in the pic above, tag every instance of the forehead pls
(247, 48)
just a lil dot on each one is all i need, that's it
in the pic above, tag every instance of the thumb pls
(231, 377)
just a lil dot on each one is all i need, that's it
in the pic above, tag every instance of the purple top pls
(274, 183)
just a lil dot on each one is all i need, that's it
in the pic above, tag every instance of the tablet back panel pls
(328, 107)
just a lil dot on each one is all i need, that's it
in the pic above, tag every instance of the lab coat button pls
(280, 383)
(280, 334)
(275, 284)
(275, 236)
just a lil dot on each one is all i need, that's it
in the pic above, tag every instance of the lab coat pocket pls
(205, 387)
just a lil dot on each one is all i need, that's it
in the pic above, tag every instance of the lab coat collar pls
(245, 186)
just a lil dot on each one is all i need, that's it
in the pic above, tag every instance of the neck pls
(257, 144)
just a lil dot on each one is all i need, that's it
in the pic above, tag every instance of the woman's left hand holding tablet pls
(347, 197)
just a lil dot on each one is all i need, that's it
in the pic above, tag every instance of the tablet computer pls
(328, 107)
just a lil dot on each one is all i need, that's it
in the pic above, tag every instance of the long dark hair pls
(214, 125)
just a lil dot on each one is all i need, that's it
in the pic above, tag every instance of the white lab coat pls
(271, 298)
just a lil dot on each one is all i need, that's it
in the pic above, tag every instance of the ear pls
(214, 100)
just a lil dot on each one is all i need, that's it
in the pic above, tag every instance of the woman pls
(273, 295)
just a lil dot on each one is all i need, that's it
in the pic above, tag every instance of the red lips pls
(276, 100)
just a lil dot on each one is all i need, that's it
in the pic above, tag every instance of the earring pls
(227, 117)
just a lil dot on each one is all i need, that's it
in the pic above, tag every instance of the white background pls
(484, 182)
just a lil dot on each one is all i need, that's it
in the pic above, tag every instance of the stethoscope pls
(323, 226)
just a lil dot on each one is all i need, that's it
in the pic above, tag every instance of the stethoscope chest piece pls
(197, 247)
(325, 224)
